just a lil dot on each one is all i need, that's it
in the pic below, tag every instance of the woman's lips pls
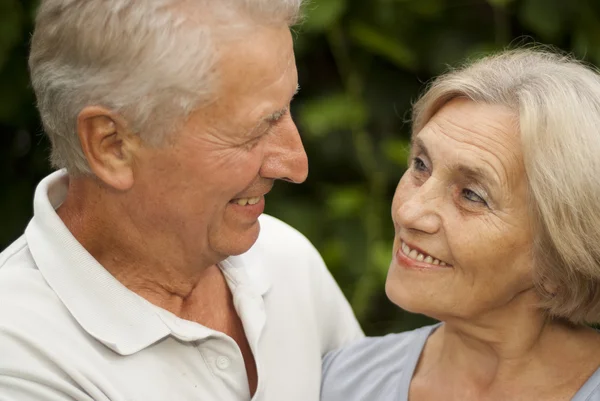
(414, 257)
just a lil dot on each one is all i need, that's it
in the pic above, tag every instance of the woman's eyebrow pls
(475, 173)
(478, 174)
(419, 144)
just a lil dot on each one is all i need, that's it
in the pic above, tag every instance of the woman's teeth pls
(419, 257)
(246, 201)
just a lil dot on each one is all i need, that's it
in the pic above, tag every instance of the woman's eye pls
(419, 164)
(472, 196)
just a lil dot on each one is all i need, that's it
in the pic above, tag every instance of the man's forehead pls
(277, 114)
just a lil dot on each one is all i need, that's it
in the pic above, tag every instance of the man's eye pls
(419, 164)
(471, 196)
(251, 144)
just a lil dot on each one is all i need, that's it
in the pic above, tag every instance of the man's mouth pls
(246, 201)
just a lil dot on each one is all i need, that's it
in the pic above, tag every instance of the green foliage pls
(320, 15)
(376, 42)
(338, 111)
(548, 18)
(361, 65)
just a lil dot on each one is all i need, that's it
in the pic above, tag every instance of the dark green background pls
(361, 64)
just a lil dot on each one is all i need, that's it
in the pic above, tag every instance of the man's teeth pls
(247, 201)
(419, 257)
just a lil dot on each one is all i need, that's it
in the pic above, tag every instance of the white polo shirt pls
(70, 331)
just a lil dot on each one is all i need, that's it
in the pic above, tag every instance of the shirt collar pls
(106, 309)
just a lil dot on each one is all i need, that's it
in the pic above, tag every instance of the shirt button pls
(223, 362)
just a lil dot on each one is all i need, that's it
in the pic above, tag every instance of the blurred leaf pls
(383, 45)
(382, 257)
(33, 7)
(344, 202)
(481, 50)
(500, 3)
(450, 50)
(546, 17)
(299, 213)
(333, 251)
(11, 25)
(372, 281)
(334, 112)
(427, 8)
(322, 14)
(586, 39)
(397, 151)
(585, 46)
(302, 45)
(14, 92)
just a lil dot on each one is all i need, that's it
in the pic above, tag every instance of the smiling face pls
(463, 238)
(205, 188)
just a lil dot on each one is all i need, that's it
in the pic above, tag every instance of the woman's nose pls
(418, 208)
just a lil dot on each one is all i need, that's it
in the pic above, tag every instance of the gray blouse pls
(381, 369)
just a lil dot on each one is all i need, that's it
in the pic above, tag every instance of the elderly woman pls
(497, 235)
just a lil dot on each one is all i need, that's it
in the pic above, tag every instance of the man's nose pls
(285, 158)
(420, 209)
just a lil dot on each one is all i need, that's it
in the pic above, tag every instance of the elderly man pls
(146, 272)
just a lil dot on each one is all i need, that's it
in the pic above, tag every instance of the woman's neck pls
(496, 356)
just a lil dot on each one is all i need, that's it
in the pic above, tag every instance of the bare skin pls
(463, 201)
(522, 357)
(160, 219)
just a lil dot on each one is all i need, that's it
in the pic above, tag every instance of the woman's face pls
(463, 239)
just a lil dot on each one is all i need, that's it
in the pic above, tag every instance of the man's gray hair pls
(557, 100)
(151, 61)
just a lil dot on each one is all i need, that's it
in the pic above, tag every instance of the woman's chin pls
(404, 298)
(414, 297)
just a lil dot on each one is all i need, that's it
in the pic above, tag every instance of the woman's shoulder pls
(368, 350)
(590, 391)
(372, 367)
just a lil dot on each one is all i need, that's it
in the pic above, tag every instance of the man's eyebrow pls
(273, 117)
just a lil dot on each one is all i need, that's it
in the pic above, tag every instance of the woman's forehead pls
(479, 136)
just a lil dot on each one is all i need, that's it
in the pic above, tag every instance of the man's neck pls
(159, 267)
(141, 256)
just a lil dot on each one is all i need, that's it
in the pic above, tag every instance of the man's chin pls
(242, 241)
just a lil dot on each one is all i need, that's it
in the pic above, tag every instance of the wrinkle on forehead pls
(257, 81)
(285, 74)
(489, 133)
(271, 63)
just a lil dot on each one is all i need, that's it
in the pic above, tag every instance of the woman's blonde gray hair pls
(557, 100)
(152, 61)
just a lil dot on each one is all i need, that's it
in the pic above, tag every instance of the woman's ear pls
(551, 289)
(108, 145)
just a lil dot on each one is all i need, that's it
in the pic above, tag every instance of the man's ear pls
(108, 145)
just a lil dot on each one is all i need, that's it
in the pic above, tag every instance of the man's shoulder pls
(14, 253)
(26, 299)
(275, 232)
(278, 240)
(285, 252)
(18, 271)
